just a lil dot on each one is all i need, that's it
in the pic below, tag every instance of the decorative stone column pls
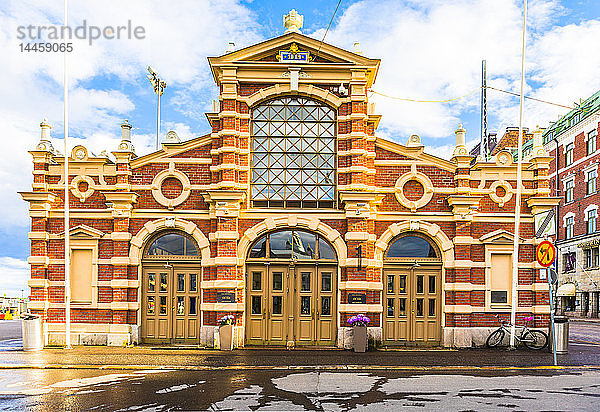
(362, 271)
(40, 202)
(464, 207)
(230, 137)
(124, 283)
(227, 274)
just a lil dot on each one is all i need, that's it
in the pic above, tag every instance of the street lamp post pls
(159, 87)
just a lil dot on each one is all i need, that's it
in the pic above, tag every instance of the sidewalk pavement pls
(590, 320)
(145, 357)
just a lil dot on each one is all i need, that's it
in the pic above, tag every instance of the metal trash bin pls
(561, 325)
(32, 332)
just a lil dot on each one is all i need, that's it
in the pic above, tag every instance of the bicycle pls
(533, 339)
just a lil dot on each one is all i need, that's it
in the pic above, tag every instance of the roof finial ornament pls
(126, 145)
(293, 22)
(45, 144)
(460, 149)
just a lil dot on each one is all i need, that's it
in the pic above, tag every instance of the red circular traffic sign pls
(545, 253)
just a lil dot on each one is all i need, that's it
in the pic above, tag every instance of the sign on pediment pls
(294, 55)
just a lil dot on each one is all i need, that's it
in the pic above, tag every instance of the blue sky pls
(430, 49)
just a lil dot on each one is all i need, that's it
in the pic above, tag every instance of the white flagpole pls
(515, 266)
(66, 203)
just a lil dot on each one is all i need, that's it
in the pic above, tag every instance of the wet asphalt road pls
(301, 390)
(10, 329)
(264, 379)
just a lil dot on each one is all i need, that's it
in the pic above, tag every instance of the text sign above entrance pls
(225, 297)
(545, 253)
(357, 298)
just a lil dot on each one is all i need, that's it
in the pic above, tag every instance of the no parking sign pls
(545, 253)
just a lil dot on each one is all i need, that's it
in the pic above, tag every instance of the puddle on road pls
(306, 390)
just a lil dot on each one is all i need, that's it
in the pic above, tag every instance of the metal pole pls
(483, 145)
(515, 268)
(158, 119)
(553, 329)
(66, 201)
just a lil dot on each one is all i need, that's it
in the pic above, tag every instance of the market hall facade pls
(292, 215)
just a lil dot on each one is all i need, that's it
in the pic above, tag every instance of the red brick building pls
(291, 215)
(573, 145)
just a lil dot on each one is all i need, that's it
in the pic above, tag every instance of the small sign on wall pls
(357, 298)
(225, 297)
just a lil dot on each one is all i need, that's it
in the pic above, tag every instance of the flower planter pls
(359, 338)
(226, 337)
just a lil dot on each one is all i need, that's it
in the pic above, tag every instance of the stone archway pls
(150, 228)
(414, 287)
(430, 229)
(292, 221)
(184, 324)
(293, 324)
(305, 90)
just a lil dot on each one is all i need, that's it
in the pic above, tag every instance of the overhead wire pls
(328, 26)
(467, 95)
(422, 100)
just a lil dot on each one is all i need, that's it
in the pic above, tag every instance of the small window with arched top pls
(412, 247)
(172, 244)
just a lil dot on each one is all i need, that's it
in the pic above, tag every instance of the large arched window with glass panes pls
(172, 245)
(293, 154)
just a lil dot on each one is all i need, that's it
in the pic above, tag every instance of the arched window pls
(288, 244)
(172, 244)
(411, 247)
(293, 154)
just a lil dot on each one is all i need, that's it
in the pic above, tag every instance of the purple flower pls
(359, 320)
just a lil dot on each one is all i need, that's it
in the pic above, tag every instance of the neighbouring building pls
(291, 215)
(572, 142)
(14, 306)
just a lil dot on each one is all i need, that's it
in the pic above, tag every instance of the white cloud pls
(13, 277)
(178, 40)
(432, 50)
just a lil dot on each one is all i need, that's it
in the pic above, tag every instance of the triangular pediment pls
(499, 236)
(263, 55)
(267, 50)
(415, 153)
(83, 232)
(173, 150)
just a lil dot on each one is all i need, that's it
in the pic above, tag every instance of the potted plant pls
(226, 332)
(359, 332)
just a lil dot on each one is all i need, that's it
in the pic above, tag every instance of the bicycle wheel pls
(535, 339)
(495, 338)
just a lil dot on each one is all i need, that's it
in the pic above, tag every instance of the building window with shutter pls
(569, 185)
(591, 142)
(591, 182)
(591, 221)
(590, 257)
(569, 154)
(570, 222)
